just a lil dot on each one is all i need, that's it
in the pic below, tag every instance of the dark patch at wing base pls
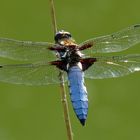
(86, 46)
(87, 62)
(62, 65)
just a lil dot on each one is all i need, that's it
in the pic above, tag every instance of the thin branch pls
(62, 85)
(65, 108)
(53, 16)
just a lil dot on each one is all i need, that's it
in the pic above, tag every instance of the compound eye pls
(58, 37)
(68, 35)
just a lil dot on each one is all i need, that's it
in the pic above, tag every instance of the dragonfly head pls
(64, 38)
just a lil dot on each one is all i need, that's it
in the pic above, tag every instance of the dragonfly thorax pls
(70, 55)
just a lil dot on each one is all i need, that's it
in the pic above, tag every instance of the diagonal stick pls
(53, 16)
(62, 85)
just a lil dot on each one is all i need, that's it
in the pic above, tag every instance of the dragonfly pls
(39, 63)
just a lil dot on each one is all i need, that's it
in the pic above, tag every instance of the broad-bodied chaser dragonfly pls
(42, 62)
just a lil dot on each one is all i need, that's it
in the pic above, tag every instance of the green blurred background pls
(35, 113)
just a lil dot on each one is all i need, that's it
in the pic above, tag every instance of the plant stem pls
(65, 108)
(53, 16)
(62, 85)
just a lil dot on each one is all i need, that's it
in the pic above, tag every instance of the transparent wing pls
(116, 42)
(25, 50)
(116, 66)
(29, 74)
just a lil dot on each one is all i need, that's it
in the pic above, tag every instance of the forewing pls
(30, 74)
(116, 42)
(116, 66)
(25, 50)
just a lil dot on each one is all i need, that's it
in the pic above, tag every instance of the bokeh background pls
(35, 113)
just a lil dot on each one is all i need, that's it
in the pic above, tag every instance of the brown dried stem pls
(62, 85)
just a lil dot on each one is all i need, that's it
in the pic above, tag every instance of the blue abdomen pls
(78, 93)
